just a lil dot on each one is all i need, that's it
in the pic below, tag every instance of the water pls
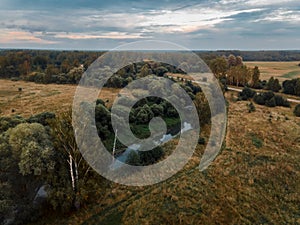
(121, 159)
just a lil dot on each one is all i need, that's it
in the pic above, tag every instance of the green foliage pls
(270, 99)
(297, 110)
(41, 118)
(257, 142)
(251, 107)
(273, 85)
(158, 110)
(255, 77)
(133, 159)
(160, 71)
(246, 94)
(281, 101)
(10, 122)
(271, 102)
(219, 66)
(292, 87)
(151, 157)
(203, 108)
(144, 114)
(31, 145)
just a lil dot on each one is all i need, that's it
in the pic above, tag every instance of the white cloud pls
(189, 20)
(104, 35)
(282, 15)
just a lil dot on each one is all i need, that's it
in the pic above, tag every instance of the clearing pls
(281, 70)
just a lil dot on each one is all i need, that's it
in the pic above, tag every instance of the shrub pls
(133, 159)
(281, 101)
(273, 85)
(257, 142)
(270, 99)
(297, 110)
(41, 118)
(271, 102)
(251, 107)
(152, 156)
(259, 99)
(246, 94)
(292, 87)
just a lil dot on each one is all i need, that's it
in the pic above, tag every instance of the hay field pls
(36, 98)
(281, 70)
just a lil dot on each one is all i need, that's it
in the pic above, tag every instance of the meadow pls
(253, 180)
(28, 98)
(280, 70)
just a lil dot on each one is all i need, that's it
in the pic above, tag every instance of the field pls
(254, 179)
(37, 98)
(281, 70)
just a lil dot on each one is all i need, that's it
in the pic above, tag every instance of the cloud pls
(108, 35)
(83, 23)
(7, 36)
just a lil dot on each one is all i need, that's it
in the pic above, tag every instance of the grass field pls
(254, 179)
(280, 70)
(37, 98)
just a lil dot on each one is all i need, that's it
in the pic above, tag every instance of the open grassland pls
(37, 98)
(281, 70)
(254, 179)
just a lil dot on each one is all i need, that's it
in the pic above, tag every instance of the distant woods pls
(67, 67)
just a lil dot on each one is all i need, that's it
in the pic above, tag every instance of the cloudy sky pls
(106, 24)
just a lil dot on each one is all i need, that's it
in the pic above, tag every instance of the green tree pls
(203, 108)
(232, 61)
(152, 156)
(246, 94)
(219, 67)
(273, 85)
(133, 159)
(74, 186)
(255, 77)
(145, 71)
(32, 147)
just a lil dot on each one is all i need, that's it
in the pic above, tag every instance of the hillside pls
(254, 180)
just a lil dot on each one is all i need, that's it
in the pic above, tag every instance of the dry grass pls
(244, 185)
(37, 98)
(280, 70)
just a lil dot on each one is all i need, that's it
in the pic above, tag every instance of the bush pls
(271, 102)
(246, 94)
(273, 85)
(152, 156)
(292, 87)
(297, 110)
(133, 159)
(281, 101)
(251, 107)
(257, 142)
(41, 118)
(259, 99)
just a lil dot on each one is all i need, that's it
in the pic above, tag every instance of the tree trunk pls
(71, 172)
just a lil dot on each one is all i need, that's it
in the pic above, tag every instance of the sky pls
(196, 25)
